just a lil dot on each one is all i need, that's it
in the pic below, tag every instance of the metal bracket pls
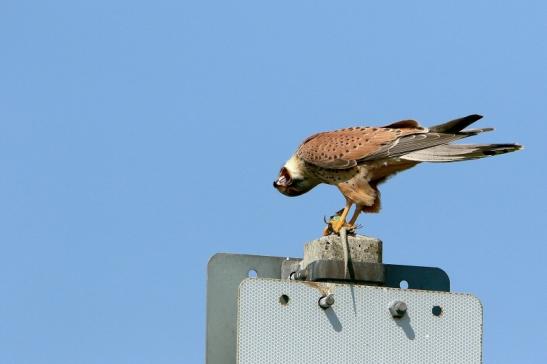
(387, 275)
(334, 271)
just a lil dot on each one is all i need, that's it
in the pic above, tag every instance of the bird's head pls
(292, 180)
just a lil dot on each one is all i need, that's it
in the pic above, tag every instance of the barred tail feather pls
(460, 152)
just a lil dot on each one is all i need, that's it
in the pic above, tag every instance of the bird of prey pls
(358, 159)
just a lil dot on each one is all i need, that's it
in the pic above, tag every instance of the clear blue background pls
(137, 139)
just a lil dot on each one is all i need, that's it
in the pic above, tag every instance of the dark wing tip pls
(456, 125)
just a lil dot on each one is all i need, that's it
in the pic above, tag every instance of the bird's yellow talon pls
(335, 224)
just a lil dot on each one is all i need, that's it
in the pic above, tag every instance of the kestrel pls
(358, 159)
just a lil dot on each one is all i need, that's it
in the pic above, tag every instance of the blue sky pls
(137, 139)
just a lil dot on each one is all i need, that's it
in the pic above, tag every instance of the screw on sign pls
(326, 301)
(397, 309)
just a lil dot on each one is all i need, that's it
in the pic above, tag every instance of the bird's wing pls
(411, 143)
(344, 148)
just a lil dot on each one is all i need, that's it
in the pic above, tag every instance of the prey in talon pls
(358, 159)
(335, 223)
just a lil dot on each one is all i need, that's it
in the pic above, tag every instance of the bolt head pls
(326, 301)
(300, 275)
(397, 309)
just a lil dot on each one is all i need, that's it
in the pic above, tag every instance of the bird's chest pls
(333, 176)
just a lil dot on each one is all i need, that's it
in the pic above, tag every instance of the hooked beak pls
(284, 180)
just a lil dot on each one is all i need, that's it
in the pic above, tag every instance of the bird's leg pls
(336, 226)
(336, 219)
(353, 220)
